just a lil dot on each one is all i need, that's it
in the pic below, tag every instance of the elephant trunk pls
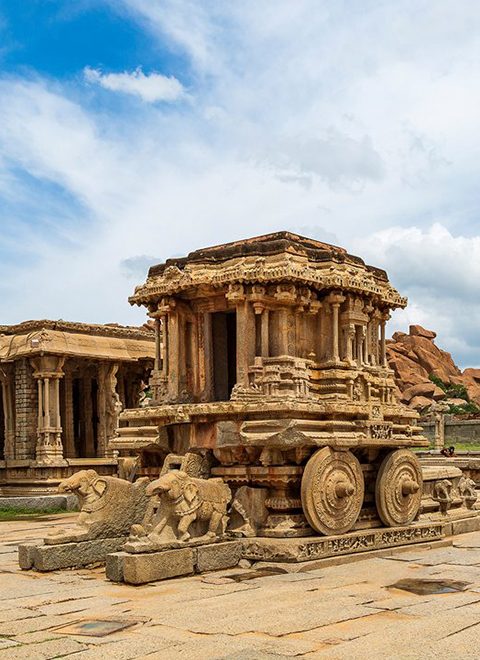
(155, 489)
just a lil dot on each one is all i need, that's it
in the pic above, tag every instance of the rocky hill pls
(425, 374)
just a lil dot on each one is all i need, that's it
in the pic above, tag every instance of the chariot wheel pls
(332, 491)
(398, 488)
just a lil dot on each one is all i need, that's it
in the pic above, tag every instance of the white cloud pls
(150, 88)
(440, 273)
(360, 124)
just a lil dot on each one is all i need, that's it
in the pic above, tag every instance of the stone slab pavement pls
(346, 611)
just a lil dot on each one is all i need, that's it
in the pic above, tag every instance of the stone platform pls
(40, 503)
(322, 547)
(41, 557)
(160, 565)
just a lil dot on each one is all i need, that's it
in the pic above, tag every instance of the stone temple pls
(273, 434)
(63, 385)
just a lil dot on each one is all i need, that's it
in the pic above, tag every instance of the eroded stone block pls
(218, 556)
(67, 555)
(153, 566)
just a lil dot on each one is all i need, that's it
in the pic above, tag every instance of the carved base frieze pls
(321, 547)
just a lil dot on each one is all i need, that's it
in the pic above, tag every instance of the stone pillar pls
(265, 334)
(112, 408)
(158, 356)
(242, 343)
(439, 440)
(48, 371)
(159, 375)
(349, 339)
(173, 355)
(335, 300)
(283, 331)
(206, 356)
(383, 346)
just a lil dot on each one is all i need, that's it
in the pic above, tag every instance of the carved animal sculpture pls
(185, 499)
(467, 490)
(108, 507)
(441, 493)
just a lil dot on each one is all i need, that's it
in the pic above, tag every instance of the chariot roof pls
(271, 258)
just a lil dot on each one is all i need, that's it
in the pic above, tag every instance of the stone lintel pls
(67, 555)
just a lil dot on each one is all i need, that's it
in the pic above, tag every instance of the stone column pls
(173, 355)
(383, 346)
(112, 409)
(265, 333)
(242, 343)
(349, 338)
(158, 356)
(159, 375)
(206, 355)
(48, 371)
(335, 300)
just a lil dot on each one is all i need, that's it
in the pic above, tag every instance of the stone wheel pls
(332, 491)
(398, 488)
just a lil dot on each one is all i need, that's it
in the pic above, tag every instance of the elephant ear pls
(190, 491)
(99, 486)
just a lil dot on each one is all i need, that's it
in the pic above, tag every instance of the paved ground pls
(347, 611)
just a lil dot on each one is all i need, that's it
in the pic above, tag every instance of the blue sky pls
(134, 130)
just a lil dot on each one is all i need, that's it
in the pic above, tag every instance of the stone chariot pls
(271, 366)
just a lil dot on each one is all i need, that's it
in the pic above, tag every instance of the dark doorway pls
(2, 426)
(224, 340)
(78, 425)
(95, 419)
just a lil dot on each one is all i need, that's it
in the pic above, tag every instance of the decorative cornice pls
(285, 267)
(120, 331)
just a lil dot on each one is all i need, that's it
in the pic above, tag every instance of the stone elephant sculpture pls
(108, 507)
(185, 499)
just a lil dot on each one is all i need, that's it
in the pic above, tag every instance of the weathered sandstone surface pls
(417, 362)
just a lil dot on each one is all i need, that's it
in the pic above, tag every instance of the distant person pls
(449, 452)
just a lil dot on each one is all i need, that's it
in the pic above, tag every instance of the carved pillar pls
(350, 338)
(265, 333)
(242, 343)
(113, 408)
(48, 371)
(159, 374)
(173, 355)
(439, 441)
(335, 301)
(283, 331)
(206, 356)
(383, 346)
(158, 356)
(361, 345)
